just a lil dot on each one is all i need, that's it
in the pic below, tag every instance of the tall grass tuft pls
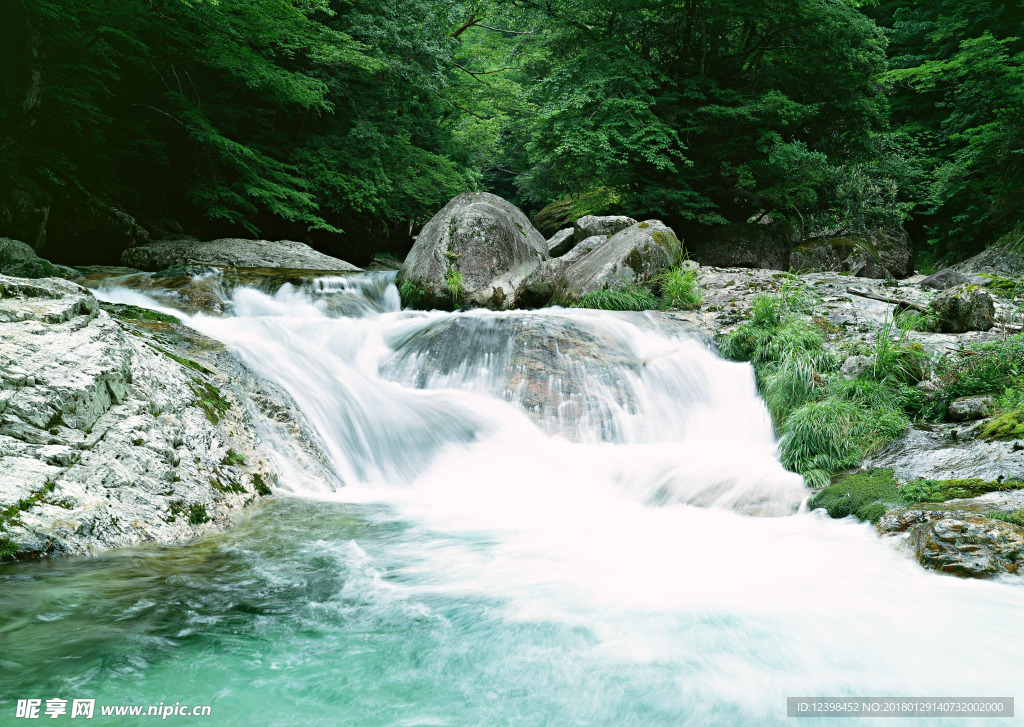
(679, 288)
(629, 297)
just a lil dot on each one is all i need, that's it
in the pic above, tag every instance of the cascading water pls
(545, 518)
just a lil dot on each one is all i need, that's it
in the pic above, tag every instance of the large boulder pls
(592, 225)
(634, 255)
(476, 252)
(231, 253)
(837, 254)
(964, 308)
(875, 254)
(743, 245)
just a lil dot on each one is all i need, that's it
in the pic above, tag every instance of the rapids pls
(559, 517)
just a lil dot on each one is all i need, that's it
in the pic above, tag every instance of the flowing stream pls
(558, 517)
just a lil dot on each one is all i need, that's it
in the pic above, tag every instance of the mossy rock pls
(866, 495)
(1005, 427)
(38, 268)
(942, 490)
(563, 212)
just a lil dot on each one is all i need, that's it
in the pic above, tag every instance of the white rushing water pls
(607, 475)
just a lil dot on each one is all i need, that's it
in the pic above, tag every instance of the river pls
(559, 517)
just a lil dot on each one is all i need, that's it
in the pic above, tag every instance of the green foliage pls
(453, 280)
(628, 297)
(233, 458)
(982, 368)
(209, 399)
(942, 490)
(412, 295)
(679, 288)
(1007, 426)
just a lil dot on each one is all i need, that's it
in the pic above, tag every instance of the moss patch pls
(865, 495)
(261, 487)
(135, 313)
(1015, 518)
(233, 458)
(1006, 426)
(209, 399)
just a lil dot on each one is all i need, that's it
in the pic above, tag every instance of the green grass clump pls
(679, 288)
(453, 279)
(897, 359)
(1016, 517)
(628, 297)
(197, 514)
(866, 495)
(413, 296)
(982, 368)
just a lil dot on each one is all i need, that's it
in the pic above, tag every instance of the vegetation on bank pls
(345, 121)
(868, 495)
(674, 288)
(829, 421)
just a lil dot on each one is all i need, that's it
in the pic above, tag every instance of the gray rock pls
(970, 408)
(106, 440)
(542, 284)
(591, 225)
(944, 279)
(231, 253)
(964, 308)
(476, 252)
(634, 255)
(856, 366)
(943, 452)
(846, 254)
(743, 245)
(584, 247)
(961, 542)
(12, 251)
(561, 242)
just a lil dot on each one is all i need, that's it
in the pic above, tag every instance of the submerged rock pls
(231, 252)
(476, 252)
(109, 439)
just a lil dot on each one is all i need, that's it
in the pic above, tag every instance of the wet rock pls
(959, 542)
(109, 439)
(963, 309)
(944, 279)
(592, 225)
(160, 255)
(970, 408)
(476, 252)
(856, 366)
(561, 242)
(930, 452)
(634, 255)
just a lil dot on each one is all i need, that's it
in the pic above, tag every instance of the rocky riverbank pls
(120, 426)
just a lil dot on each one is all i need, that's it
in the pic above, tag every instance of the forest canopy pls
(348, 120)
